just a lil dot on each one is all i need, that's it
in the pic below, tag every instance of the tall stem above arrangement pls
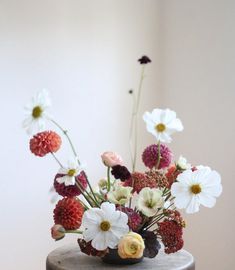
(133, 135)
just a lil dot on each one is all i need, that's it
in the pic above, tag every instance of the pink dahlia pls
(45, 142)
(139, 181)
(150, 156)
(68, 213)
(71, 190)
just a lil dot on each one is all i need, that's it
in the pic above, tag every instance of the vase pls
(112, 257)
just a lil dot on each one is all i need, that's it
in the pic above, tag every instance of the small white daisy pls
(104, 226)
(36, 112)
(183, 164)
(70, 173)
(162, 124)
(196, 187)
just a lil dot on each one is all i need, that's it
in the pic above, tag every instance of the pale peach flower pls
(111, 159)
(131, 246)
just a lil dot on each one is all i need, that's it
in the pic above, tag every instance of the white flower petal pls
(61, 180)
(207, 200)
(69, 180)
(185, 178)
(167, 116)
(91, 217)
(193, 206)
(99, 242)
(111, 239)
(91, 233)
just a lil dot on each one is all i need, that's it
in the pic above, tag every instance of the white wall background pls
(85, 52)
(197, 67)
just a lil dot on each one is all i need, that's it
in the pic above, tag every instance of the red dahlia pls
(139, 181)
(72, 190)
(68, 213)
(45, 142)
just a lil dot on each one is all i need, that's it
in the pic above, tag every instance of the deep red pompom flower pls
(45, 142)
(71, 190)
(171, 233)
(139, 181)
(68, 213)
(150, 156)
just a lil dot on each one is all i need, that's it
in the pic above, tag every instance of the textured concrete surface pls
(70, 258)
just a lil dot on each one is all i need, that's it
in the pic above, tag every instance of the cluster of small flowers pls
(171, 235)
(122, 213)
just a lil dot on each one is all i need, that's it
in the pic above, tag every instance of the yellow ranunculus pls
(131, 246)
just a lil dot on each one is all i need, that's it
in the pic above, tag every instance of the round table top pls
(69, 257)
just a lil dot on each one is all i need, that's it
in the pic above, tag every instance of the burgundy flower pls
(151, 153)
(134, 219)
(139, 181)
(171, 233)
(72, 190)
(87, 248)
(120, 172)
(144, 60)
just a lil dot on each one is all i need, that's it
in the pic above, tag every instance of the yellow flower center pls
(160, 127)
(71, 172)
(133, 248)
(195, 189)
(105, 225)
(37, 112)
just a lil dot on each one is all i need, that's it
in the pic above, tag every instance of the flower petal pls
(193, 206)
(99, 242)
(207, 200)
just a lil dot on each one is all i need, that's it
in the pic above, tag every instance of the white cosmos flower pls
(162, 123)
(104, 226)
(37, 112)
(120, 194)
(70, 173)
(183, 164)
(149, 201)
(195, 188)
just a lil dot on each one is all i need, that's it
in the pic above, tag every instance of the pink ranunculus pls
(111, 159)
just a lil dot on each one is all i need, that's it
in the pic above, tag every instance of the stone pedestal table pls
(69, 257)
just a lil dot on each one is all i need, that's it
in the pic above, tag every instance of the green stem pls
(136, 111)
(83, 194)
(74, 231)
(83, 191)
(68, 138)
(159, 154)
(131, 130)
(56, 159)
(108, 179)
(83, 204)
(96, 201)
(76, 156)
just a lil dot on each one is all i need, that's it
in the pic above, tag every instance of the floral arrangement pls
(129, 211)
